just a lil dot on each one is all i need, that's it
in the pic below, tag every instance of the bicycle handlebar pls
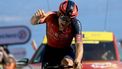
(58, 67)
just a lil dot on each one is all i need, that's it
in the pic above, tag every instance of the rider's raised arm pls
(39, 17)
(78, 41)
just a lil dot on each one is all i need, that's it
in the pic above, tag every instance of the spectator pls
(7, 61)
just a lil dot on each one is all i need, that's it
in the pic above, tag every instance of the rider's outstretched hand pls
(40, 14)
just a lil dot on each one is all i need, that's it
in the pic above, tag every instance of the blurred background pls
(95, 15)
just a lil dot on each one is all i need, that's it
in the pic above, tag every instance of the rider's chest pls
(53, 30)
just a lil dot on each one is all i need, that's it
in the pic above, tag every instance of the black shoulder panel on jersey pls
(77, 26)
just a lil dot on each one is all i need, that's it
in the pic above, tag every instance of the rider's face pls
(63, 21)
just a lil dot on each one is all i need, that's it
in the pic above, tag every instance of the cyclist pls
(61, 27)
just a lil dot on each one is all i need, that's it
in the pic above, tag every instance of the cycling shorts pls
(53, 56)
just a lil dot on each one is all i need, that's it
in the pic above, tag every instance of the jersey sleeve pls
(77, 30)
(77, 26)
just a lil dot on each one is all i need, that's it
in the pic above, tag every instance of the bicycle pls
(46, 66)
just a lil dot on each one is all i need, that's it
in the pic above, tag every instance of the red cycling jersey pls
(56, 38)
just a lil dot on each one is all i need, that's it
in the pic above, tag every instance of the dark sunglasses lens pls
(65, 18)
